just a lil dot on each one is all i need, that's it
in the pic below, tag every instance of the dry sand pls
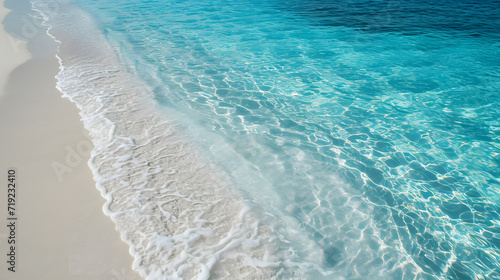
(61, 231)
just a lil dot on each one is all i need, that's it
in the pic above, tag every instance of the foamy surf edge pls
(177, 213)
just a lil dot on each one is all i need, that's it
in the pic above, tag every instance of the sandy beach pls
(60, 231)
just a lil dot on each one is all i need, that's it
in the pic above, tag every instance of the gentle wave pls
(179, 214)
(330, 149)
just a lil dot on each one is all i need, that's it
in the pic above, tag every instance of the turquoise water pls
(375, 125)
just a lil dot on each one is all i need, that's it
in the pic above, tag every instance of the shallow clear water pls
(373, 125)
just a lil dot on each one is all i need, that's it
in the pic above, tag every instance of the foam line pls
(178, 214)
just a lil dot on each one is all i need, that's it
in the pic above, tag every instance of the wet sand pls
(61, 231)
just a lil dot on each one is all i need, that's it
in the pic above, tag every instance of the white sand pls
(61, 231)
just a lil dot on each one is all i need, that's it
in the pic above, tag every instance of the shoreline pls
(180, 214)
(62, 232)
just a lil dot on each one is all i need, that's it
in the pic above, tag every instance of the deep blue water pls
(376, 123)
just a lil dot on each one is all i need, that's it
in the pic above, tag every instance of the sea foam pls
(177, 212)
(291, 139)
